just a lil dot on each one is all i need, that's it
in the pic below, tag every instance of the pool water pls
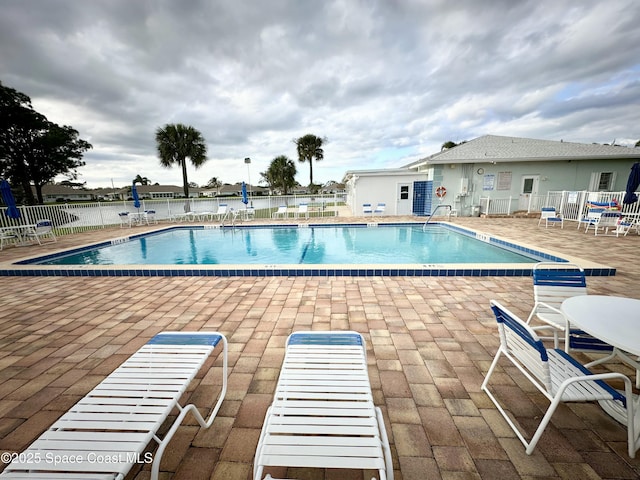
(314, 245)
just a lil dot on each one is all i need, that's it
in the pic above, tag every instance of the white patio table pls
(615, 320)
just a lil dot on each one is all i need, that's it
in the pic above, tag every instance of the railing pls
(496, 206)
(573, 205)
(434, 212)
(79, 217)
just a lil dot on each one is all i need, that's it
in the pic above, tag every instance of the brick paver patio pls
(430, 342)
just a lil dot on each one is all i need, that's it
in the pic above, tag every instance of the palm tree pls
(141, 180)
(310, 147)
(176, 143)
(215, 183)
(280, 174)
(447, 145)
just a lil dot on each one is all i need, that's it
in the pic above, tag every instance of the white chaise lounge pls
(323, 415)
(107, 432)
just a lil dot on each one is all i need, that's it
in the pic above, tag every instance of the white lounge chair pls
(367, 209)
(323, 415)
(303, 211)
(107, 432)
(557, 375)
(43, 228)
(281, 212)
(380, 208)
(550, 217)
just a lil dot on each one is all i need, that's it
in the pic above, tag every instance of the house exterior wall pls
(466, 183)
(382, 188)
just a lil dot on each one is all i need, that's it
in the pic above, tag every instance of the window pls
(602, 181)
(404, 192)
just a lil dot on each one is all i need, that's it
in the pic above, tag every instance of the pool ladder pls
(434, 212)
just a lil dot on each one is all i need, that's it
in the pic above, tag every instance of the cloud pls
(385, 82)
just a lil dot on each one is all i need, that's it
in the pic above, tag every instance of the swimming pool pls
(290, 250)
(398, 244)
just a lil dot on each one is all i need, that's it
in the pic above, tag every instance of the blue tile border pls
(290, 270)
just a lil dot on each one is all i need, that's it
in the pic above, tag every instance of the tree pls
(638, 143)
(281, 174)
(176, 143)
(214, 183)
(309, 147)
(447, 145)
(33, 150)
(141, 180)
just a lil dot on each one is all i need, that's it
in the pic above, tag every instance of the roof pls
(491, 148)
(385, 172)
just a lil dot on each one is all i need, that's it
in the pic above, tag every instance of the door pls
(422, 197)
(404, 199)
(528, 189)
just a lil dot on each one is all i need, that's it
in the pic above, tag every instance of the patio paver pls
(430, 341)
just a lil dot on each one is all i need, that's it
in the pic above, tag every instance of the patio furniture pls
(8, 236)
(608, 221)
(323, 415)
(303, 210)
(106, 432)
(281, 212)
(150, 217)
(549, 215)
(553, 283)
(42, 229)
(380, 208)
(125, 219)
(592, 217)
(557, 375)
(367, 209)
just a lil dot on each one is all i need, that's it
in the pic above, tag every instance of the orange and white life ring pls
(441, 192)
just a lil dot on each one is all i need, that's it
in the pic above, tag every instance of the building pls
(490, 166)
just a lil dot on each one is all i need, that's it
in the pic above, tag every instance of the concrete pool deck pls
(430, 341)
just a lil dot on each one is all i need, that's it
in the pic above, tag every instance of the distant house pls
(494, 166)
(166, 191)
(62, 193)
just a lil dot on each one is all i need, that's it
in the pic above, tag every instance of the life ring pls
(441, 192)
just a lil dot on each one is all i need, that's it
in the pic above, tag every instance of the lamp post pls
(247, 161)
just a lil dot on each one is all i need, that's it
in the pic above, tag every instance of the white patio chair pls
(380, 208)
(556, 374)
(608, 221)
(150, 217)
(107, 432)
(9, 237)
(43, 228)
(553, 283)
(281, 212)
(367, 209)
(591, 218)
(303, 211)
(221, 213)
(549, 215)
(125, 219)
(323, 415)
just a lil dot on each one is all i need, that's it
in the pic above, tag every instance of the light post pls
(247, 161)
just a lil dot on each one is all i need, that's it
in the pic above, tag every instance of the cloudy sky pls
(385, 81)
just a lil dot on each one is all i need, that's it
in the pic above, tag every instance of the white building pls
(492, 166)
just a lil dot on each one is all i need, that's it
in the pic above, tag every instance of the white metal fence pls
(573, 205)
(77, 217)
